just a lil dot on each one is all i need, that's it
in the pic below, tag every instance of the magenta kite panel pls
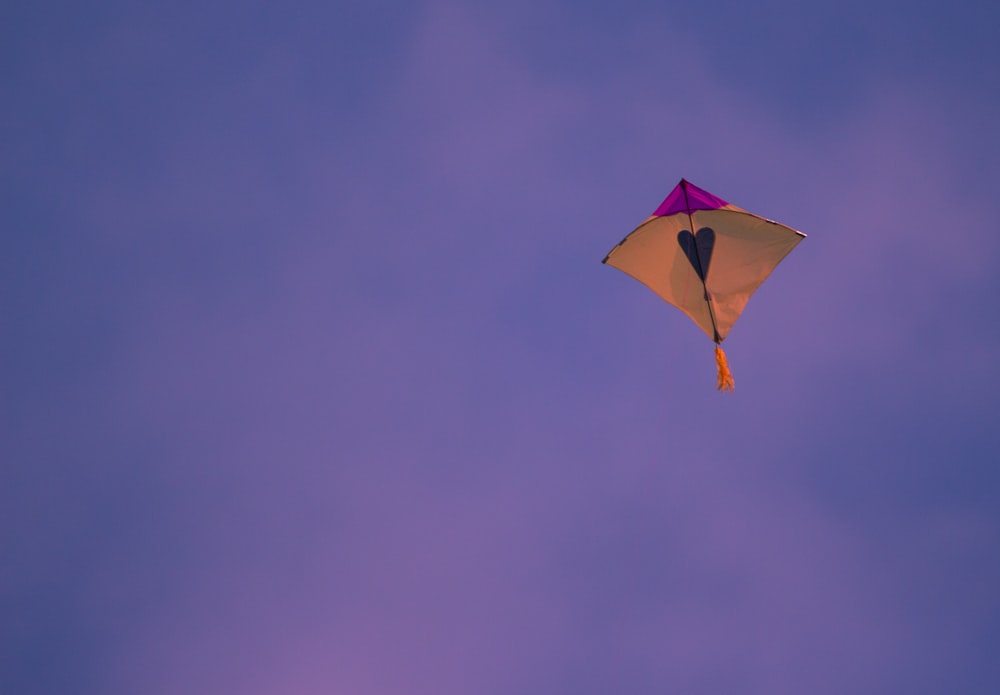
(686, 197)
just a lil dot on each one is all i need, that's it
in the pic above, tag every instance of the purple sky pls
(312, 381)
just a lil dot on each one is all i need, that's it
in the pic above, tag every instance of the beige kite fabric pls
(745, 249)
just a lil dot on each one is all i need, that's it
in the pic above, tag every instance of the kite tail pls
(726, 382)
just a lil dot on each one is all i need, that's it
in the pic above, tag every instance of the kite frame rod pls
(703, 275)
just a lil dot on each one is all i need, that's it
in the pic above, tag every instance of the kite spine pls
(703, 277)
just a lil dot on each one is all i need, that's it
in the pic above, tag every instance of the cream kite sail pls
(706, 257)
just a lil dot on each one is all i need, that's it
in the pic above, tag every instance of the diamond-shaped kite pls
(706, 257)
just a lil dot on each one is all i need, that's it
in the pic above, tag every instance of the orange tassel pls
(726, 382)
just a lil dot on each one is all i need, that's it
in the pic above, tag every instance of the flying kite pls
(706, 257)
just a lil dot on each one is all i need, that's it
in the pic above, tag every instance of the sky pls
(312, 380)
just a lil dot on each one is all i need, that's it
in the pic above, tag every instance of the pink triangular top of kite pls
(687, 197)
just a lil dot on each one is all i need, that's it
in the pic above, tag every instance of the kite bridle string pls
(703, 278)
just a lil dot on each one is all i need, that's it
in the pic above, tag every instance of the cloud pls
(377, 419)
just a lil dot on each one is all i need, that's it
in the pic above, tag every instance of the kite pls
(706, 257)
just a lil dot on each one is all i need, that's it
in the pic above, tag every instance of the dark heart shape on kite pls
(698, 248)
